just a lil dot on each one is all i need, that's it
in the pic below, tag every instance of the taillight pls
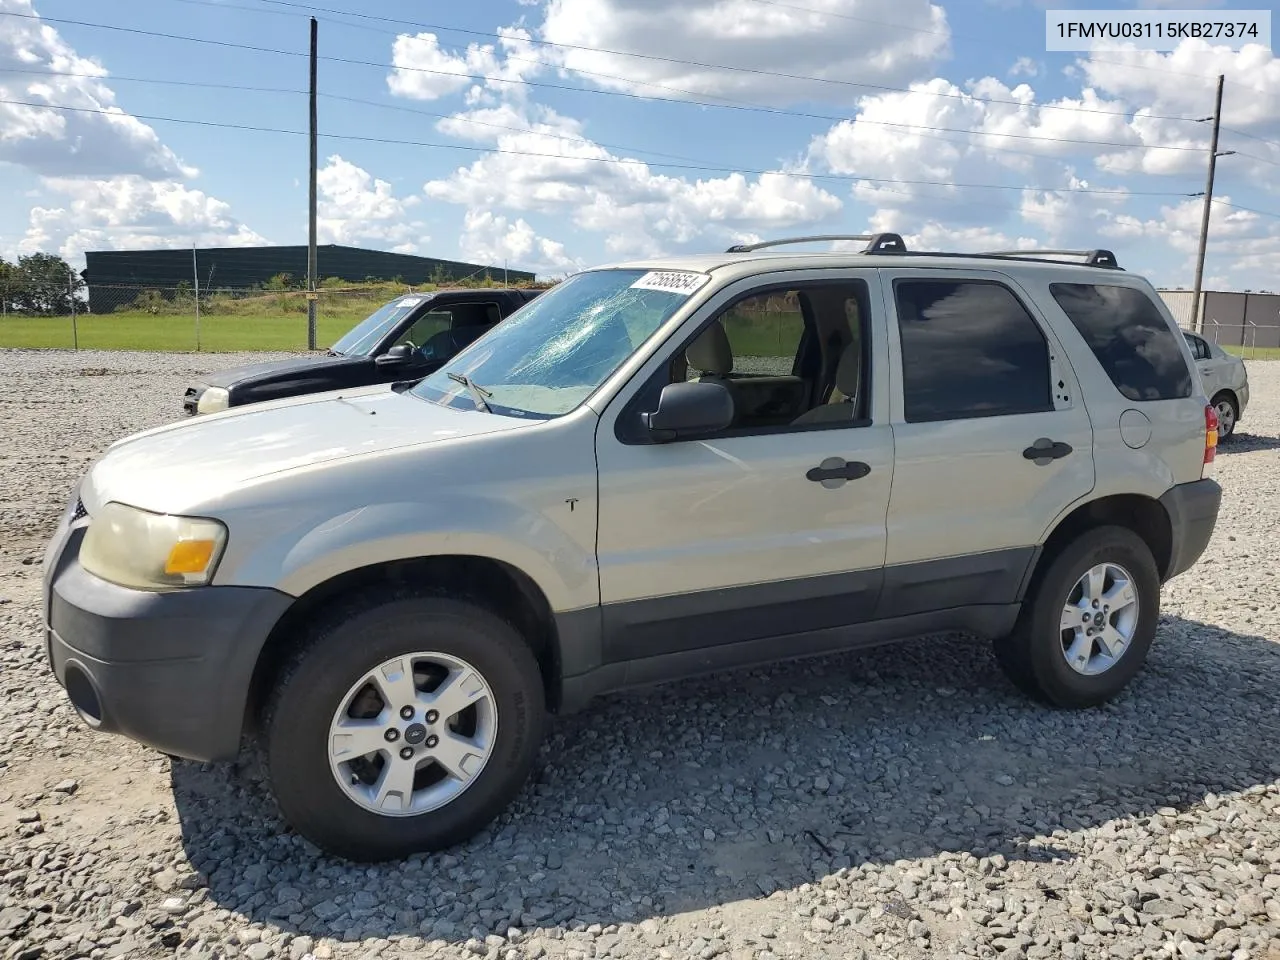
(1210, 437)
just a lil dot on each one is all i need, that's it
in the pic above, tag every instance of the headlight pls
(135, 548)
(213, 400)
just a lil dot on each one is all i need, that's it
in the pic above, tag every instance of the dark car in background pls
(404, 339)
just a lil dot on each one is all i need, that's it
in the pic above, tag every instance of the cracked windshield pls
(552, 354)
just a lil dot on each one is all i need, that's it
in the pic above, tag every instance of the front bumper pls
(1193, 512)
(191, 399)
(171, 670)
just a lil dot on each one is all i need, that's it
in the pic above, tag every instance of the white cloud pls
(130, 212)
(493, 239)
(1244, 249)
(997, 135)
(1181, 82)
(65, 142)
(424, 70)
(354, 207)
(638, 210)
(1025, 67)
(854, 41)
(106, 181)
(1179, 225)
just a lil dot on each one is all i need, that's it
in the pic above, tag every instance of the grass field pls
(774, 335)
(143, 331)
(1255, 353)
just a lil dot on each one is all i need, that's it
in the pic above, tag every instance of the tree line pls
(40, 284)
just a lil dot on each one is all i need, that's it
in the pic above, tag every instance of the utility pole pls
(311, 228)
(1197, 320)
(195, 274)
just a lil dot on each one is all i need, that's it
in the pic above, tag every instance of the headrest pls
(711, 353)
(849, 371)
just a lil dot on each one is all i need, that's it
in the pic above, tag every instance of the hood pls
(174, 468)
(258, 371)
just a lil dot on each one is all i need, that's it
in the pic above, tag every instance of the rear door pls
(1207, 364)
(990, 437)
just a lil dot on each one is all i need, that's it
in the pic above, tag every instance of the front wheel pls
(404, 725)
(1088, 622)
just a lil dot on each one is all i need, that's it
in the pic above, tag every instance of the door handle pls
(835, 468)
(1044, 450)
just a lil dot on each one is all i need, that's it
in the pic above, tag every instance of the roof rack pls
(1092, 258)
(893, 243)
(876, 242)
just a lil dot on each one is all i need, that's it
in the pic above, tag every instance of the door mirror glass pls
(690, 409)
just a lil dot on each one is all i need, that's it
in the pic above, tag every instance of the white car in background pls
(1226, 382)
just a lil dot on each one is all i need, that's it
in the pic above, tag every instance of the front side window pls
(361, 339)
(445, 331)
(969, 349)
(554, 352)
(791, 358)
(763, 333)
(1130, 338)
(425, 327)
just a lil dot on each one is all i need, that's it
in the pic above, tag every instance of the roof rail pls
(876, 242)
(1092, 258)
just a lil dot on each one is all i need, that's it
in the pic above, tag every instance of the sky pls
(553, 135)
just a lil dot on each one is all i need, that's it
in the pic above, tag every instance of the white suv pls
(654, 470)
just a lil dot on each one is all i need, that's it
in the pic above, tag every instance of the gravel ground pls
(904, 802)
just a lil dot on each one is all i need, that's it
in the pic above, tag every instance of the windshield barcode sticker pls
(671, 282)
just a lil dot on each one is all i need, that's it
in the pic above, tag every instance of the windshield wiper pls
(478, 393)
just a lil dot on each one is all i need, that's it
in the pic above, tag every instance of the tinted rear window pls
(1130, 338)
(969, 349)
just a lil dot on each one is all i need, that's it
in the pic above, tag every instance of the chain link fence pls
(1246, 324)
(173, 318)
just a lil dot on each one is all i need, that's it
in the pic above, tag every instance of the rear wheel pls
(1224, 404)
(406, 725)
(1088, 622)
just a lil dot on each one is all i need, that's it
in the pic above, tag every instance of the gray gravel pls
(904, 802)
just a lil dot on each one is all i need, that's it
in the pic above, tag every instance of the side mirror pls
(689, 409)
(401, 353)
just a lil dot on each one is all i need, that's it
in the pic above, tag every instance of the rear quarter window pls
(1129, 336)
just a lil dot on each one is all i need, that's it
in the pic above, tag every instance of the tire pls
(1034, 655)
(1228, 413)
(310, 697)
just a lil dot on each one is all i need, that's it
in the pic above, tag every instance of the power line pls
(399, 107)
(1252, 136)
(626, 53)
(1237, 206)
(156, 80)
(532, 83)
(1254, 156)
(922, 129)
(334, 96)
(1245, 86)
(844, 178)
(951, 34)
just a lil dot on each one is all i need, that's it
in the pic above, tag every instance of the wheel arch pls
(1145, 516)
(493, 584)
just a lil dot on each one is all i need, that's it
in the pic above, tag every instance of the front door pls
(776, 525)
(991, 439)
